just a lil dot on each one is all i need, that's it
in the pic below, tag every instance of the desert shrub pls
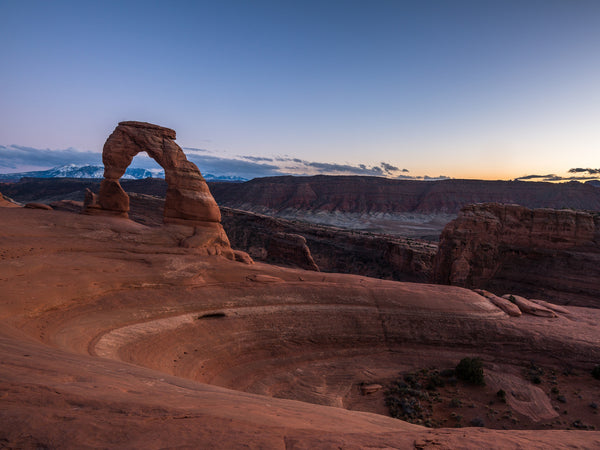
(455, 403)
(501, 394)
(458, 418)
(596, 372)
(471, 371)
(477, 422)
(535, 373)
(448, 373)
(407, 397)
(434, 382)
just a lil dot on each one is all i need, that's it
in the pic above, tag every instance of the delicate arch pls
(188, 199)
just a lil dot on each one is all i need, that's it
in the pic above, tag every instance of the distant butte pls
(549, 253)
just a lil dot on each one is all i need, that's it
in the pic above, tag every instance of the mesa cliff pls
(331, 249)
(544, 253)
(360, 194)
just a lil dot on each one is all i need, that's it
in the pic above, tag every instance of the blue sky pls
(473, 89)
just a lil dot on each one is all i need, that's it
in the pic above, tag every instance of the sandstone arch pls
(188, 200)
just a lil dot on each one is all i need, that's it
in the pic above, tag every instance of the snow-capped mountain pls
(88, 171)
(77, 171)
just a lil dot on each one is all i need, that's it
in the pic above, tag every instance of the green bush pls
(471, 371)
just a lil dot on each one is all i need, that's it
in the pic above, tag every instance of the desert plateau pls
(167, 319)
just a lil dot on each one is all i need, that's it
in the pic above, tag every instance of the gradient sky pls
(466, 89)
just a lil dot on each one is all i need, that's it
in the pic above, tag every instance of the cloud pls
(552, 178)
(439, 177)
(534, 177)
(13, 157)
(389, 168)
(303, 167)
(189, 150)
(588, 170)
(257, 158)
(218, 166)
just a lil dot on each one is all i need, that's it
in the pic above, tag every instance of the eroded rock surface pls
(188, 199)
(331, 249)
(292, 248)
(6, 202)
(536, 253)
(112, 335)
(188, 202)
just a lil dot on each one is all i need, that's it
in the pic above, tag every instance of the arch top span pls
(188, 200)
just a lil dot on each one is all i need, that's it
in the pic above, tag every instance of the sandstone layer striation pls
(332, 249)
(188, 203)
(114, 335)
(360, 194)
(536, 253)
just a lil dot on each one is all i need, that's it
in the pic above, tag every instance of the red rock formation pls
(529, 307)
(35, 205)
(112, 336)
(358, 194)
(292, 249)
(505, 305)
(330, 249)
(188, 200)
(6, 202)
(540, 253)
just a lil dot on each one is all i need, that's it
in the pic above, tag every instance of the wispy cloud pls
(553, 178)
(14, 157)
(218, 166)
(535, 177)
(588, 170)
(256, 158)
(298, 166)
(189, 150)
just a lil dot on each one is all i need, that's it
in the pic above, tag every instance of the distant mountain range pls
(88, 171)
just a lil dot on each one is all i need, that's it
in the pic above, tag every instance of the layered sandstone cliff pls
(308, 246)
(376, 195)
(537, 253)
(332, 249)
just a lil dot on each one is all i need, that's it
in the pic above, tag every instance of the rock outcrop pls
(529, 307)
(376, 195)
(188, 199)
(6, 202)
(292, 248)
(505, 305)
(112, 336)
(536, 253)
(308, 246)
(330, 249)
(35, 205)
